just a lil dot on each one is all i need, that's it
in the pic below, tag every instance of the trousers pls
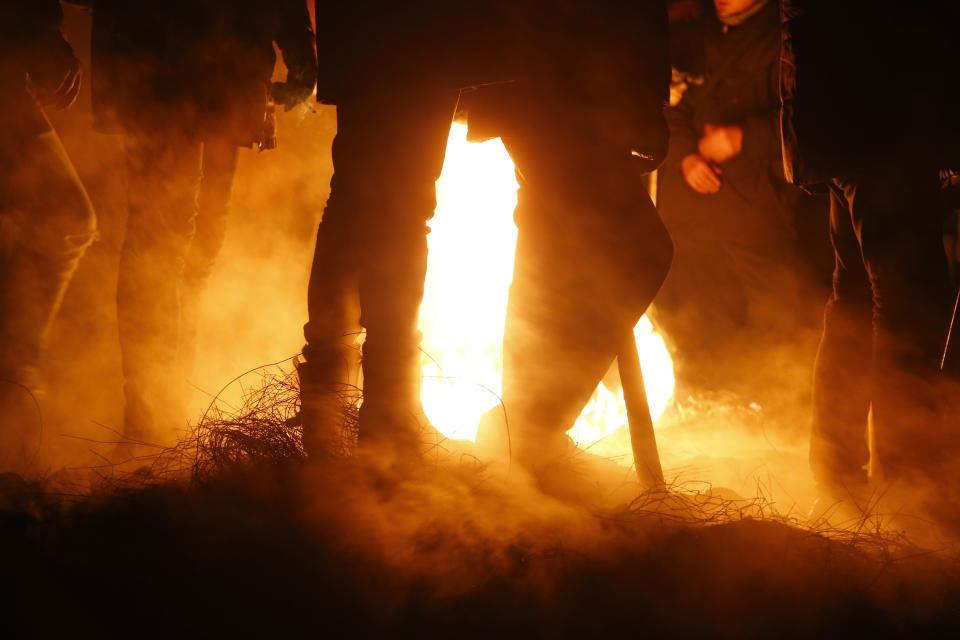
(884, 328)
(178, 200)
(46, 224)
(371, 254)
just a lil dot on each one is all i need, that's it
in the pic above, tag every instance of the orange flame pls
(469, 271)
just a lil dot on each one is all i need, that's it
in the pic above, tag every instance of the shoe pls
(21, 428)
(327, 407)
(842, 504)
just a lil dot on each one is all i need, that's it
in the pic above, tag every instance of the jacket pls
(740, 88)
(29, 34)
(601, 66)
(202, 67)
(369, 47)
(861, 83)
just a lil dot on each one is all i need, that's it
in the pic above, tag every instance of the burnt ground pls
(337, 550)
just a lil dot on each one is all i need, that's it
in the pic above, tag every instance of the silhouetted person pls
(46, 219)
(866, 111)
(736, 288)
(578, 105)
(393, 70)
(583, 123)
(187, 84)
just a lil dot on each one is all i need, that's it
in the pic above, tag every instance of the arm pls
(295, 39)
(331, 22)
(49, 60)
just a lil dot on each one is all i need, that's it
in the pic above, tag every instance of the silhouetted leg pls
(843, 373)
(47, 224)
(591, 255)
(897, 214)
(164, 173)
(372, 243)
(216, 185)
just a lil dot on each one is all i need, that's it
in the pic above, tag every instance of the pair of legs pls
(591, 255)
(178, 200)
(47, 223)
(369, 268)
(884, 330)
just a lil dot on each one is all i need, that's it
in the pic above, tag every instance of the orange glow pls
(469, 271)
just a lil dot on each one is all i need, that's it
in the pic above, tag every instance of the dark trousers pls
(371, 254)
(591, 255)
(46, 224)
(178, 200)
(884, 328)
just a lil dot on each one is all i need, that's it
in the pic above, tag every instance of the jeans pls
(884, 328)
(371, 254)
(591, 255)
(46, 224)
(178, 200)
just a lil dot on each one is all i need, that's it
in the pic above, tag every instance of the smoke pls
(748, 435)
(255, 303)
(255, 306)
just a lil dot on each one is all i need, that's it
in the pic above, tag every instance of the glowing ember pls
(469, 271)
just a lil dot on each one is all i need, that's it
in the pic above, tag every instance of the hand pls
(290, 94)
(720, 143)
(55, 77)
(700, 175)
(299, 85)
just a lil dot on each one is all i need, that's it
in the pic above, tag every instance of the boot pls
(394, 429)
(32, 289)
(21, 428)
(328, 396)
(843, 501)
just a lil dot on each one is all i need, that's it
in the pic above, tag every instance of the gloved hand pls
(298, 86)
(55, 74)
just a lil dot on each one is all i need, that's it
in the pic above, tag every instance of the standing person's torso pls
(741, 70)
(740, 85)
(864, 82)
(27, 29)
(366, 44)
(190, 64)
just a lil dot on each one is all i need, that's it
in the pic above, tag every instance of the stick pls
(953, 321)
(642, 438)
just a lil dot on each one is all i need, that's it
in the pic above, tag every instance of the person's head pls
(727, 8)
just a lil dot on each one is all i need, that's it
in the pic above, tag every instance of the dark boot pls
(393, 426)
(21, 428)
(328, 398)
(33, 287)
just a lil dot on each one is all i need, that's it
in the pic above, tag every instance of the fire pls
(472, 244)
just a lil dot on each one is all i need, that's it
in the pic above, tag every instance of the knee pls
(660, 252)
(68, 227)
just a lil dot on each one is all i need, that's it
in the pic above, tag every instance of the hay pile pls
(232, 532)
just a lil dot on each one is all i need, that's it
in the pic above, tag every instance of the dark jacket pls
(739, 88)
(601, 66)
(367, 47)
(26, 27)
(861, 83)
(202, 67)
(29, 34)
